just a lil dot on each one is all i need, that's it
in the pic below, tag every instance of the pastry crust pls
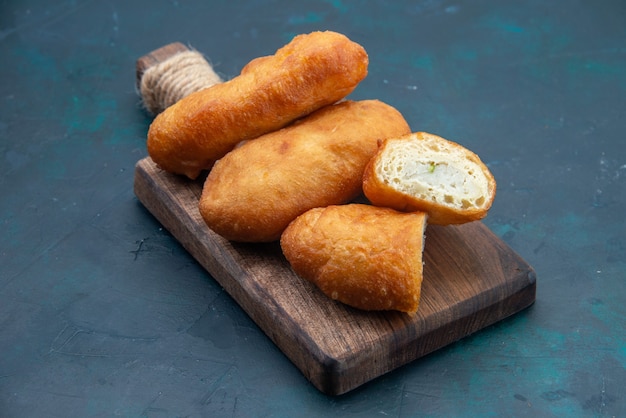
(424, 172)
(365, 256)
(253, 193)
(312, 71)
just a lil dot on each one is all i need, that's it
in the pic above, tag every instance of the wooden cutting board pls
(472, 279)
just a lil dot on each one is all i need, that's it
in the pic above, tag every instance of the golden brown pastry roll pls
(425, 172)
(254, 192)
(312, 71)
(365, 256)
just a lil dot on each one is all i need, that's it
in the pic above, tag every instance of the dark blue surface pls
(102, 313)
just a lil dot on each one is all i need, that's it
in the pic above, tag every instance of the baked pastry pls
(425, 172)
(253, 193)
(365, 256)
(312, 71)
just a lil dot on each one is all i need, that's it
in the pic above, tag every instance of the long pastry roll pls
(311, 71)
(253, 193)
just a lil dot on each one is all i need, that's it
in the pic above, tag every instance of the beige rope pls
(164, 84)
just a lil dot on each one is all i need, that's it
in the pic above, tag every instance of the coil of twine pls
(167, 82)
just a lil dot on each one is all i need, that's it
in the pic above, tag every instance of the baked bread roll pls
(312, 71)
(253, 193)
(365, 256)
(425, 172)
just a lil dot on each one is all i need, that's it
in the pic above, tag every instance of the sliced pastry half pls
(426, 172)
(365, 256)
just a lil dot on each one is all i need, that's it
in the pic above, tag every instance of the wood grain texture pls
(472, 279)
